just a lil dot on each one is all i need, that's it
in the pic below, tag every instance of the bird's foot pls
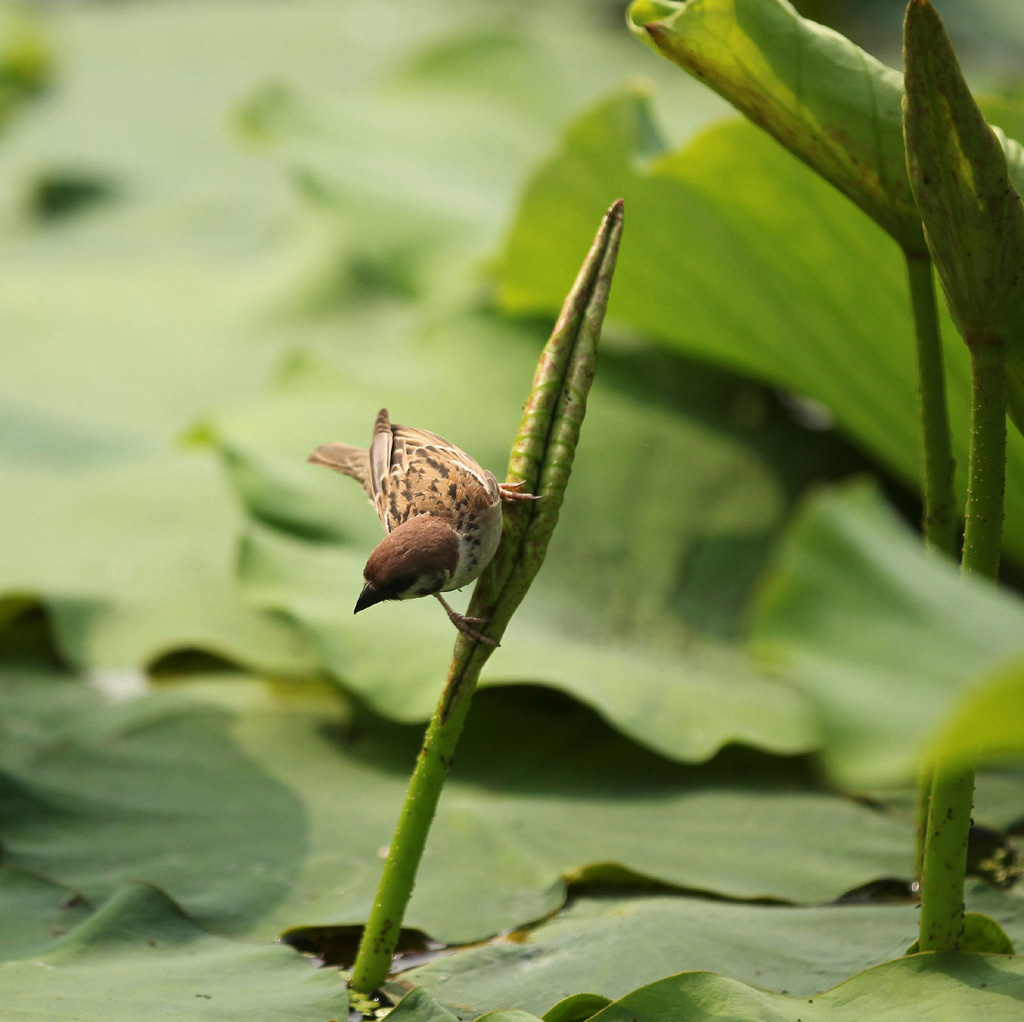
(513, 492)
(464, 623)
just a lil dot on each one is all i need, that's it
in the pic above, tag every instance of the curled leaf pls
(830, 103)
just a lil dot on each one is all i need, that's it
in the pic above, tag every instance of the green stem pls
(949, 825)
(940, 508)
(945, 860)
(938, 465)
(384, 925)
(922, 809)
(542, 456)
(983, 532)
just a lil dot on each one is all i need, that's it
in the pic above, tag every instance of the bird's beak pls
(367, 598)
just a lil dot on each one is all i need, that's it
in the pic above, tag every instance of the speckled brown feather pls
(416, 472)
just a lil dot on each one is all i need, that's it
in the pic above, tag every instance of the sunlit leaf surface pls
(859, 617)
(742, 256)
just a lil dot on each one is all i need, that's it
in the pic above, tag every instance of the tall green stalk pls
(941, 518)
(541, 460)
(983, 533)
(384, 925)
(945, 858)
(974, 226)
(938, 466)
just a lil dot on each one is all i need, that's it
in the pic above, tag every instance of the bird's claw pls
(464, 623)
(513, 492)
(472, 633)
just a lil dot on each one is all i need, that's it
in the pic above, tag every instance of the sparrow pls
(441, 512)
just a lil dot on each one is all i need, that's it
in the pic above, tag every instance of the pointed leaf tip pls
(973, 217)
(543, 452)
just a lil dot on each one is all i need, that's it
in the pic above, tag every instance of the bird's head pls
(415, 559)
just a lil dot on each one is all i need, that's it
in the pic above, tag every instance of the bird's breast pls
(479, 533)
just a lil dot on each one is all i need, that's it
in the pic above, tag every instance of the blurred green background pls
(204, 205)
(231, 231)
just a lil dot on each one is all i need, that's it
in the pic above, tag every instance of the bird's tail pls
(350, 461)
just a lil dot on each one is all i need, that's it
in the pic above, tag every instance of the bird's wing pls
(410, 443)
(425, 457)
(380, 452)
(413, 471)
(350, 461)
